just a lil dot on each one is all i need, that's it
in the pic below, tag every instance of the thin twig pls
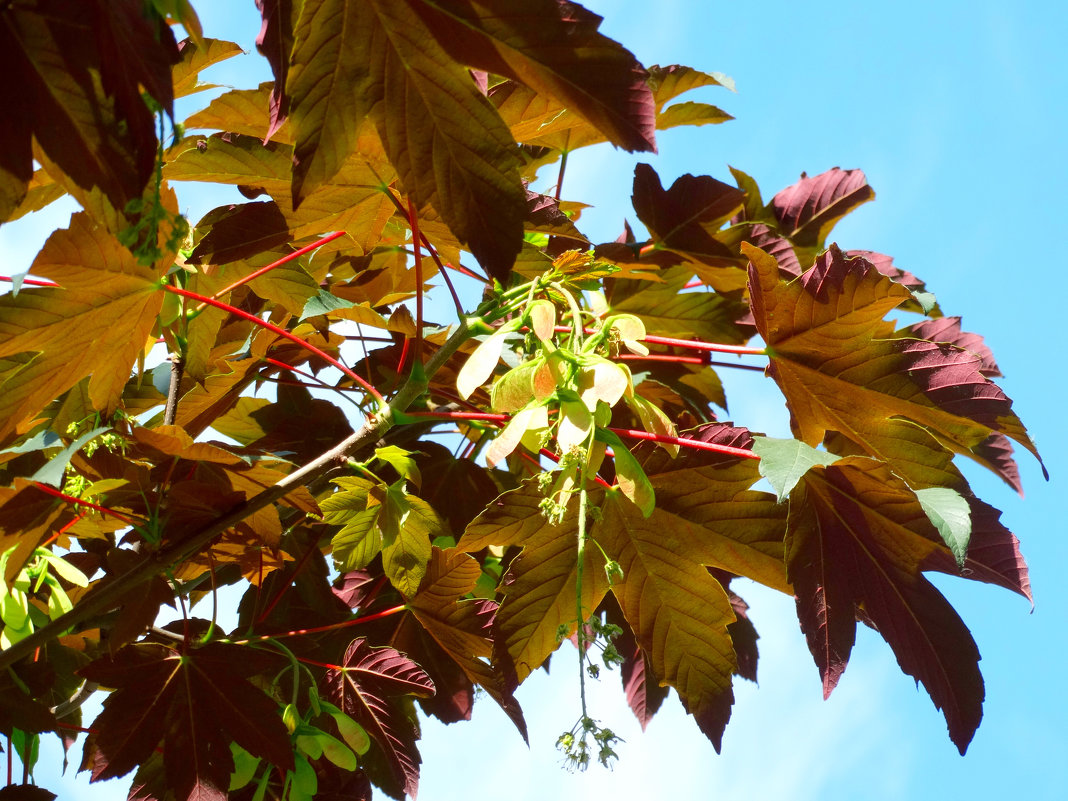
(177, 370)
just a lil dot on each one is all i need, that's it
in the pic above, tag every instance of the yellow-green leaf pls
(95, 324)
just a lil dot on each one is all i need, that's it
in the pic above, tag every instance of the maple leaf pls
(27, 517)
(463, 629)
(75, 70)
(72, 328)
(539, 587)
(196, 702)
(461, 488)
(377, 518)
(665, 309)
(923, 302)
(677, 611)
(842, 368)
(377, 60)
(684, 218)
(857, 541)
(555, 49)
(808, 210)
(238, 231)
(195, 58)
(280, 426)
(643, 691)
(275, 42)
(353, 199)
(364, 686)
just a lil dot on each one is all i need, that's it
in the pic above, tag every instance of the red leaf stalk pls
(692, 344)
(280, 332)
(296, 254)
(30, 281)
(661, 357)
(330, 627)
(413, 221)
(72, 500)
(684, 442)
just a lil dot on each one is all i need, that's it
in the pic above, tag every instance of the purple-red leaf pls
(274, 42)
(364, 688)
(197, 702)
(809, 209)
(684, 217)
(73, 75)
(885, 265)
(947, 329)
(554, 48)
(236, 232)
(857, 542)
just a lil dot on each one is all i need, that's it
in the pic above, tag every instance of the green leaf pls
(53, 472)
(950, 513)
(324, 303)
(64, 569)
(360, 539)
(400, 460)
(354, 735)
(629, 474)
(784, 461)
(337, 752)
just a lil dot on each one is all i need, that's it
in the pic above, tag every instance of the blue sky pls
(956, 112)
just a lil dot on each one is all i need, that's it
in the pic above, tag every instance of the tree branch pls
(105, 598)
(177, 370)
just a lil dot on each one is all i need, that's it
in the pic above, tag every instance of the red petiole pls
(78, 501)
(296, 254)
(330, 627)
(279, 332)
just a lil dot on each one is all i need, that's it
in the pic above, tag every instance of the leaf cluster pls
(414, 513)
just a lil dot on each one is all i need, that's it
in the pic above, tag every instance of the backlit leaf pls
(858, 538)
(463, 628)
(74, 71)
(809, 209)
(684, 217)
(555, 49)
(842, 368)
(197, 57)
(375, 59)
(365, 691)
(72, 327)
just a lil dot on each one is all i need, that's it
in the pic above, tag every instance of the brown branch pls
(104, 599)
(177, 370)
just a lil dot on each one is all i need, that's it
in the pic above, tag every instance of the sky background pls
(956, 112)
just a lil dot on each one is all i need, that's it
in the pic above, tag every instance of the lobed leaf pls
(842, 368)
(378, 60)
(364, 690)
(857, 540)
(72, 327)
